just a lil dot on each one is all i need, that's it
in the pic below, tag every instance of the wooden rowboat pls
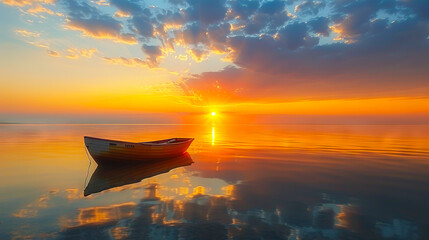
(111, 176)
(105, 150)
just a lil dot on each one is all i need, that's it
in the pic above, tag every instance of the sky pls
(155, 60)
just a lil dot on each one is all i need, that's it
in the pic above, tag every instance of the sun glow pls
(213, 114)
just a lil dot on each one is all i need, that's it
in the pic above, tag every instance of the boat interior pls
(168, 141)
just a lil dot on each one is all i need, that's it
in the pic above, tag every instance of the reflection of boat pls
(110, 176)
(104, 150)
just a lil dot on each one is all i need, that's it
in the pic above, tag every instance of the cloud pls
(218, 36)
(379, 47)
(75, 53)
(142, 24)
(358, 17)
(171, 18)
(103, 29)
(53, 53)
(101, 2)
(324, 50)
(120, 14)
(88, 20)
(153, 53)
(22, 3)
(87, 52)
(243, 9)
(289, 68)
(310, 7)
(26, 33)
(270, 16)
(39, 44)
(206, 12)
(127, 6)
(296, 35)
(130, 62)
(39, 9)
(320, 25)
(214, 87)
(198, 54)
(193, 34)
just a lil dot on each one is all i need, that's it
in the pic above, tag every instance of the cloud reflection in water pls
(279, 182)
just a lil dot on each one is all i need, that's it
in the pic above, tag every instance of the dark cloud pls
(270, 16)
(289, 68)
(243, 9)
(218, 36)
(272, 7)
(272, 23)
(80, 10)
(420, 7)
(97, 26)
(296, 35)
(310, 7)
(359, 6)
(90, 21)
(219, 33)
(142, 23)
(152, 54)
(194, 34)
(127, 6)
(374, 47)
(206, 12)
(170, 17)
(357, 16)
(320, 26)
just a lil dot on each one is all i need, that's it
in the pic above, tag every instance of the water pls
(245, 182)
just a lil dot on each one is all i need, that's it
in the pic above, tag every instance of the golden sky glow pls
(55, 61)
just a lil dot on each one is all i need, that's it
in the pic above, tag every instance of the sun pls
(213, 114)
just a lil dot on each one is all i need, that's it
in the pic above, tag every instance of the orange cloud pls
(26, 33)
(341, 33)
(39, 9)
(121, 14)
(75, 53)
(241, 86)
(101, 3)
(130, 62)
(22, 3)
(198, 55)
(101, 31)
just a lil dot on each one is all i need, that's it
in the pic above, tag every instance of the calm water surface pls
(238, 182)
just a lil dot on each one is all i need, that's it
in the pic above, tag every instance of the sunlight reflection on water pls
(264, 181)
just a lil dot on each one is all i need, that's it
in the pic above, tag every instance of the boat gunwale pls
(143, 143)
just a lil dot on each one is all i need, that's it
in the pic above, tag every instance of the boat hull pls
(105, 150)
